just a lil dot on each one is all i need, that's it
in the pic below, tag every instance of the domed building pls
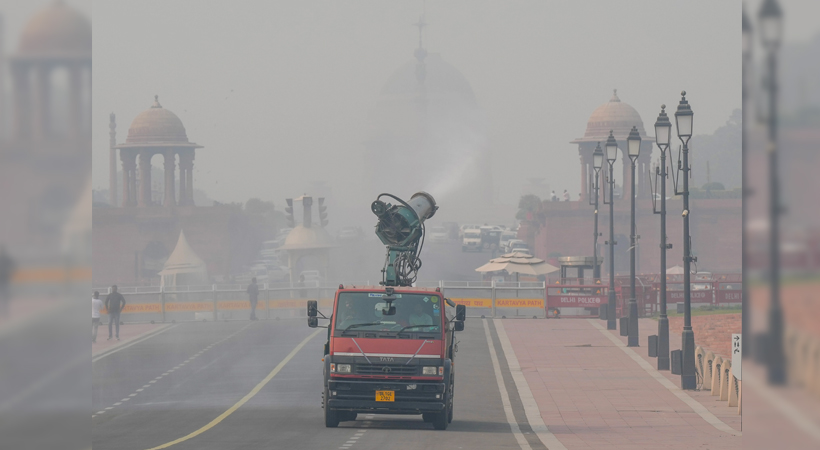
(428, 133)
(54, 44)
(618, 117)
(155, 131)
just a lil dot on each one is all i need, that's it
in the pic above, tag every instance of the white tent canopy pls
(184, 266)
(674, 270)
(518, 262)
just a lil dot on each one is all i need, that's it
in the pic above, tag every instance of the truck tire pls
(440, 419)
(427, 417)
(331, 416)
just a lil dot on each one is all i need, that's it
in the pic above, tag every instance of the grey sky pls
(279, 92)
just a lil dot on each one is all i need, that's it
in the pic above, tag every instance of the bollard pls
(725, 375)
(653, 346)
(680, 307)
(624, 326)
(602, 311)
(717, 363)
(676, 360)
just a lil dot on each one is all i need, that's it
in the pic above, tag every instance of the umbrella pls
(518, 262)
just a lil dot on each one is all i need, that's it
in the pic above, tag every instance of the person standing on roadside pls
(96, 306)
(114, 303)
(253, 296)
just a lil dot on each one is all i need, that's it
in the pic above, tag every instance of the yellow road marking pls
(244, 399)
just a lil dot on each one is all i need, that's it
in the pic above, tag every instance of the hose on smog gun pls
(401, 229)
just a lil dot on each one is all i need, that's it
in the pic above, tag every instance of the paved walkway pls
(592, 394)
(128, 333)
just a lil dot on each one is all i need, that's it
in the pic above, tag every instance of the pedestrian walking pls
(253, 296)
(114, 303)
(96, 306)
(566, 195)
(6, 272)
(553, 197)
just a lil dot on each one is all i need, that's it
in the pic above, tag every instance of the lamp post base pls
(632, 339)
(775, 358)
(610, 312)
(688, 377)
(663, 343)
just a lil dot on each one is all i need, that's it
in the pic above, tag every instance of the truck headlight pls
(430, 370)
(343, 368)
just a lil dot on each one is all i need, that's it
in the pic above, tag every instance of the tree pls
(528, 207)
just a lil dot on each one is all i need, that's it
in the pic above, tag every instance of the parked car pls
(438, 234)
(471, 241)
(518, 245)
(312, 278)
(506, 236)
(464, 229)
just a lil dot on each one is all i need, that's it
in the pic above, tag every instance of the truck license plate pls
(385, 396)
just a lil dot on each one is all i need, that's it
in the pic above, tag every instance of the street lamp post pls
(747, 59)
(633, 149)
(663, 132)
(771, 29)
(597, 162)
(683, 119)
(611, 155)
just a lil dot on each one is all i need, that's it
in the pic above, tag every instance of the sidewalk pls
(592, 394)
(129, 332)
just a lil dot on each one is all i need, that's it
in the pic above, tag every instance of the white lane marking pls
(147, 385)
(678, 392)
(527, 399)
(118, 404)
(125, 399)
(788, 410)
(109, 408)
(154, 381)
(100, 412)
(139, 390)
(134, 394)
(505, 398)
(137, 341)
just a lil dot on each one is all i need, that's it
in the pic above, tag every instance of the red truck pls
(390, 350)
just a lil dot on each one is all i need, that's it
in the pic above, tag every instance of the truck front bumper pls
(411, 397)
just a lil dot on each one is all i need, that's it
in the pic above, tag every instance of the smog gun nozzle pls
(401, 229)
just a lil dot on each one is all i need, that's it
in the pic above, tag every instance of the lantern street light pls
(611, 155)
(747, 59)
(663, 132)
(597, 163)
(771, 31)
(634, 150)
(683, 120)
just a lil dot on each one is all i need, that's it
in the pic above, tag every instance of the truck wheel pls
(331, 416)
(440, 419)
(427, 417)
(347, 416)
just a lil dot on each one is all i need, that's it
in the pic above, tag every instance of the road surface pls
(237, 385)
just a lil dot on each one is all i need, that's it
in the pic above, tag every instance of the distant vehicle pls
(505, 238)
(490, 238)
(312, 278)
(471, 241)
(438, 234)
(464, 228)
(349, 234)
(518, 246)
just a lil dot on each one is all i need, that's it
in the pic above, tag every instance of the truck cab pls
(390, 351)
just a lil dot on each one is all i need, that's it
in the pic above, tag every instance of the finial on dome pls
(615, 96)
(156, 102)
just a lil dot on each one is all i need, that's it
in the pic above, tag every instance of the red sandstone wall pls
(715, 228)
(712, 332)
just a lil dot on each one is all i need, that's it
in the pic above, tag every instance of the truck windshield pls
(364, 311)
